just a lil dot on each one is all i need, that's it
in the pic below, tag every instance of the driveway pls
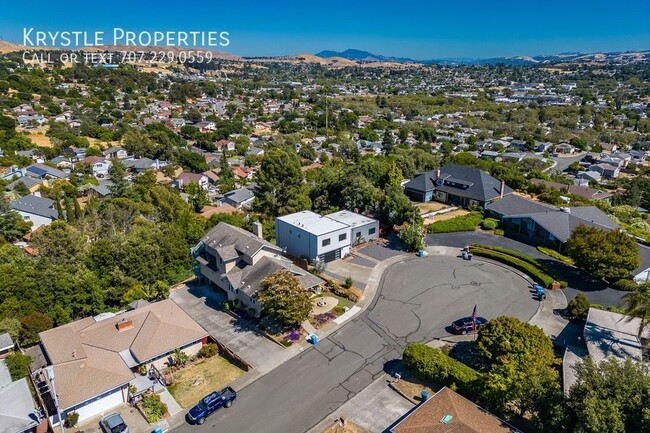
(202, 304)
(416, 299)
(579, 282)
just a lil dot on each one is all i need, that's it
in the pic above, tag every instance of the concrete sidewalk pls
(375, 408)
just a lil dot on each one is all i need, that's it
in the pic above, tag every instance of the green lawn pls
(464, 223)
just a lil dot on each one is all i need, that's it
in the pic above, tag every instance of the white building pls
(362, 228)
(316, 237)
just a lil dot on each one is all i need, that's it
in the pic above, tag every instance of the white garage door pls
(100, 406)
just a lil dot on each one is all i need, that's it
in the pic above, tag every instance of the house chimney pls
(257, 229)
(124, 324)
(502, 189)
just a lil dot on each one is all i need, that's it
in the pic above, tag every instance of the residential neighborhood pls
(340, 242)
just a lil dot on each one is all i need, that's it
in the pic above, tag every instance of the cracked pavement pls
(416, 300)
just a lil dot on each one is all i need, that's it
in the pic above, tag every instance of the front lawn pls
(193, 383)
(465, 223)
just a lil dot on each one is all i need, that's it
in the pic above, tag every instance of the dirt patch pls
(430, 207)
(196, 381)
(412, 387)
(450, 215)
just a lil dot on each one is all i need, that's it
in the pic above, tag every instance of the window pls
(358, 235)
(371, 231)
(343, 237)
(326, 242)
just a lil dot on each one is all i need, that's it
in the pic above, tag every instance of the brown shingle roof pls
(467, 417)
(86, 353)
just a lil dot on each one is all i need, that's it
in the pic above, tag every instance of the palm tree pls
(637, 305)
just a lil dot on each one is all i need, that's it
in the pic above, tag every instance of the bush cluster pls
(208, 350)
(625, 285)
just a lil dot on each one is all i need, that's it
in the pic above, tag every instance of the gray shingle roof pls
(249, 278)
(244, 242)
(6, 341)
(561, 224)
(239, 196)
(16, 408)
(513, 204)
(479, 184)
(29, 182)
(36, 205)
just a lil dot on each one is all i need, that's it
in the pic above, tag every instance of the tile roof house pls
(457, 185)
(237, 261)
(449, 412)
(542, 224)
(39, 211)
(18, 413)
(94, 359)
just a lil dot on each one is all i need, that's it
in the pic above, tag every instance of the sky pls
(415, 29)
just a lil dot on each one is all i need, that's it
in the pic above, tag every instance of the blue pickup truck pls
(210, 404)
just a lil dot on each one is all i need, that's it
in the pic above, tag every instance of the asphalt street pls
(416, 300)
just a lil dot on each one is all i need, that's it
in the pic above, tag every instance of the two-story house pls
(237, 261)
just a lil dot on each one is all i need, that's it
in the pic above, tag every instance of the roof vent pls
(124, 325)
(446, 419)
(565, 209)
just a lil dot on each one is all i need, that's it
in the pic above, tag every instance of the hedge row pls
(544, 269)
(433, 365)
(561, 257)
(529, 269)
(465, 223)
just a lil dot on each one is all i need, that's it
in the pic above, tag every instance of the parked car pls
(113, 423)
(465, 325)
(210, 404)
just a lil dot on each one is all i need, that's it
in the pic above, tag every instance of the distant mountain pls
(363, 56)
(610, 57)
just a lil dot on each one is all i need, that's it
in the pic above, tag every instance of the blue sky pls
(417, 29)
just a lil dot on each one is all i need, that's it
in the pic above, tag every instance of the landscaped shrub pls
(209, 350)
(18, 365)
(348, 282)
(489, 224)
(465, 223)
(433, 365)
(578, 307)
(543, 268)
(338, 310)
(552, 253)
(531, 270)
(499, 232)
(626, 285)
(323, 318)
(71, 420)
(154, 409)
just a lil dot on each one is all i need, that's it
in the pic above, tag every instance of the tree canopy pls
(284, 298)
(609, 254)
